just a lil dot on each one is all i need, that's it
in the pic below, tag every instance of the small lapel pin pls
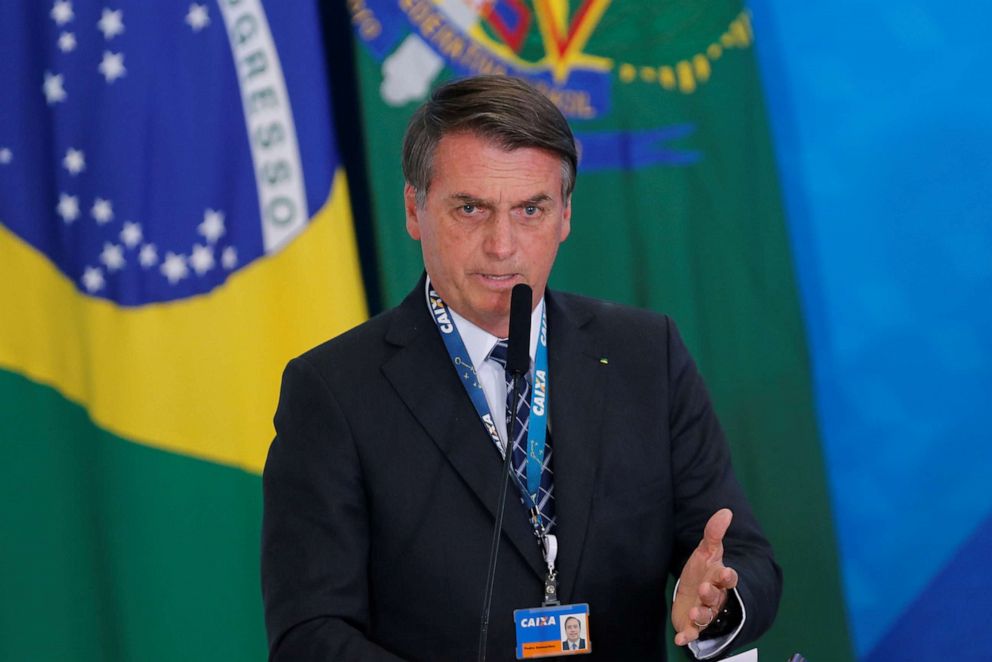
(604, 361)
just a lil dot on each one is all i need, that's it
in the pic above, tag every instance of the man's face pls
(572, 629)
(493, 218)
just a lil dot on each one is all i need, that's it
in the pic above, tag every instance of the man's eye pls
(468, 209)
(532, 210)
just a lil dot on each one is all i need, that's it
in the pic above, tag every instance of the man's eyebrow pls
(467, 199)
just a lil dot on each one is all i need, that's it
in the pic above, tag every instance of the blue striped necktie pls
(546, 497)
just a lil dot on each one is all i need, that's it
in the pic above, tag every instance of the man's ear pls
(410, 205)
(566, 215)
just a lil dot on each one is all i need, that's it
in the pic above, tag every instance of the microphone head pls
(518, 342)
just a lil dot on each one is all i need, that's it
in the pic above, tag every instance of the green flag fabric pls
(677, 208)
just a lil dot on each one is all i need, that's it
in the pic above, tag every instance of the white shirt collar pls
(479, 342)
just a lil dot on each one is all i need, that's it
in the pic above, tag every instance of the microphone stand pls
(500, 508)
(517, 364)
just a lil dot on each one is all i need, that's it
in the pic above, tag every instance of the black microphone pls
(518, 365)
(518, 343)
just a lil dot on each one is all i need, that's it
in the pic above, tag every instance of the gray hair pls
(508, 111)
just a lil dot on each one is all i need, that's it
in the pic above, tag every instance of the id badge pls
(552, 631)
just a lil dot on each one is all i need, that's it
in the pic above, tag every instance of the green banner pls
(677, 209)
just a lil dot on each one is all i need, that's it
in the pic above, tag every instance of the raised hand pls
(704, 582)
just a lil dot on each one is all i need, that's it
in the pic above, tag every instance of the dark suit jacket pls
(381, 485)
(582, 644)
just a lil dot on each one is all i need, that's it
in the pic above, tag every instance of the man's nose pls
(500, 241)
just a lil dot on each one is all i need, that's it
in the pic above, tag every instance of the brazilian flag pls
(677, 209)
(174, 226)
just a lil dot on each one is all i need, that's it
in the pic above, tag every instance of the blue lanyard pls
(538, 426)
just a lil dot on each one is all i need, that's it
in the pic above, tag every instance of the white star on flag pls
(212, 226)
(174, 267)
(111, 23)
(112, 66)
(202, 259)
(102, 211)
(112, 256)
(148, 257)
(131, 235)
(229, 258)
(197, 17)
(74, 161)
(68, 207)
(93, 279)
(6, 156)
(54, 92)
(62, 12)
(67, 42)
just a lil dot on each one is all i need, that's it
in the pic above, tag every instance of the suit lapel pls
(576, 392)
(424, 377)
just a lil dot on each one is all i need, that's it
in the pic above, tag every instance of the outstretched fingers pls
(713, 580)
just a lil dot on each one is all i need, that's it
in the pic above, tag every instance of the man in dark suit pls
(381, 486)
(573, 635)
